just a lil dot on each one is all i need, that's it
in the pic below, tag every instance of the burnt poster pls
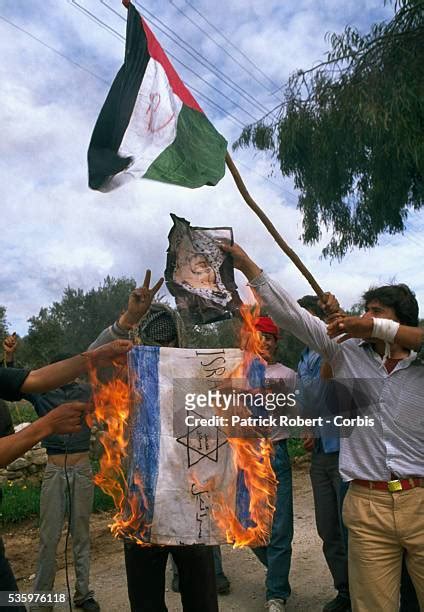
(199, 274)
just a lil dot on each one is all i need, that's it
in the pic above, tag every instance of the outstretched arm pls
(285, 311)
(369, 327)
(58, 374)
(139, 303)
(65, 419)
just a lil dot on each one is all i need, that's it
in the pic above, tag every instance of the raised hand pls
(331, 307)
(139, 302)
(10, 345)
(241, 259)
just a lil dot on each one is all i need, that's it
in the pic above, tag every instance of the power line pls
(199, 93)
(214, 104)
(246, 57)
(196, 25)
(62, 55)
(266, 178)
(96, 76)
(195, 54)
(111, 30)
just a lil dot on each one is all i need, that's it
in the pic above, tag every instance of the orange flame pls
(112, 402)
(252, 456)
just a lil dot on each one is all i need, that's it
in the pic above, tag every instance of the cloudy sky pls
(58, 60)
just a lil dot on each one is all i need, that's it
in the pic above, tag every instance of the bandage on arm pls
(385, 329)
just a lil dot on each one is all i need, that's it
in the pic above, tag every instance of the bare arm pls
(139, 303)
(65, 419)
(57, 374)
(410, 337)
(362, 327)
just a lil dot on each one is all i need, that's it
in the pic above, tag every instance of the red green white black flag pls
(150, 125)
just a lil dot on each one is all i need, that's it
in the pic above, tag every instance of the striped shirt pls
(395, 444)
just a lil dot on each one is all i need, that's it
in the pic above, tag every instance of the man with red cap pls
(277, 555)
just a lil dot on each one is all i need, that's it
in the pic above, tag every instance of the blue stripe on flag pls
(145, 427)
(242, 501)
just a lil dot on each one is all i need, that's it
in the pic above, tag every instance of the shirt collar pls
(403, 363)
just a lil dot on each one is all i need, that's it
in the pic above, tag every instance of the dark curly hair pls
(398, 297)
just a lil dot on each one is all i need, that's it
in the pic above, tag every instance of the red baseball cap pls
(267, 326)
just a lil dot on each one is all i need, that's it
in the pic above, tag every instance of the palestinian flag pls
(150, 125)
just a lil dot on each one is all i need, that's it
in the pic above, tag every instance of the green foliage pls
(350, 132)
(21, 502)
(288, 350)
(295, 447)
(356, 310)
(22, 412)
(3, 324)
(223, 334)
(73, 323)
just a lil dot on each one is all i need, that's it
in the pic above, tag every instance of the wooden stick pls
(270, 227)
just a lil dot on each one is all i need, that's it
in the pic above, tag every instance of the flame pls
(251, 456)
(112, 403)
(254, 459)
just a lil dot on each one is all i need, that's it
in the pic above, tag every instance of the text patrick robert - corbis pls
(229, 401)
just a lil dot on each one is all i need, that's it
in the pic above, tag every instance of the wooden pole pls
(270, 227)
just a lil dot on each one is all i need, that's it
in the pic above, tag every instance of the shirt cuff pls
(261, 279)
(118, 331)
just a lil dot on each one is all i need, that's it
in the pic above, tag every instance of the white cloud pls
(56, 232)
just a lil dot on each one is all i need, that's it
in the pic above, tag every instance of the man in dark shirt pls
(74, 449)
(65, 419)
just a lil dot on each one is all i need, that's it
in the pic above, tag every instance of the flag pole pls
(270, 227)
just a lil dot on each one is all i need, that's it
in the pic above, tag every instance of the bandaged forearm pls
(385, 329)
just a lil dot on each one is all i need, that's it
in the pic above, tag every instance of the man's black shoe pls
(222, 584)
(89, 605)
(338, 604)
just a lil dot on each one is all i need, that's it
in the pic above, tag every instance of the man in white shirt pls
(384, 460)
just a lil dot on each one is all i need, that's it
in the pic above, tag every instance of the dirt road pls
(310, 579)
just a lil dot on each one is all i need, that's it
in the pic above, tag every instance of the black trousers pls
(7, 579)
(146, 565)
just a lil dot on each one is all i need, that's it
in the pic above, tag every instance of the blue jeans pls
(277, 555)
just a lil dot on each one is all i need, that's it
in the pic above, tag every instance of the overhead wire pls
(288, 193)
(194, 53)
(227, 40)
(228, 115)
(75, 4)
(59, 53)
(196, 25)
(94, 18)
(234, 119)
